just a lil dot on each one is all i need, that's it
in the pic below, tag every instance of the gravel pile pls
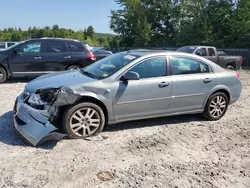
(183, 151)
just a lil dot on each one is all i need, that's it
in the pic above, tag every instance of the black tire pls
(208, 110)
(67, 118)
(3, 75)
(72, 67)
(230, 67)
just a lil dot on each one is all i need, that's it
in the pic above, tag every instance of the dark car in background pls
(101, 52)
(36, 57)
(211, 53)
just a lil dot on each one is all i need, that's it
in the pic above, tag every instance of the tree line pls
(87, 35)
(145, 23)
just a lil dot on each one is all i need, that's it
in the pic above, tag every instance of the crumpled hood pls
(59, 79)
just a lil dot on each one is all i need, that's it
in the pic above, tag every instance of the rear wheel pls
(73, 67)
(3, 75)
(83, 120)
(230, 67)
(216, 106)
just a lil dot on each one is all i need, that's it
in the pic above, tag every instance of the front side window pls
(30, 47)
(9, 44)
(109, 65)
(201, 52)
(54, 46)
(155, 67)
(182, 65)
(2, 45)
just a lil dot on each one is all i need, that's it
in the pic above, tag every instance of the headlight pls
(43, 97)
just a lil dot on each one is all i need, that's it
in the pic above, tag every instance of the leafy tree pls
(90, 32)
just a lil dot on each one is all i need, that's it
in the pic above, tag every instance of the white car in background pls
(5, 45)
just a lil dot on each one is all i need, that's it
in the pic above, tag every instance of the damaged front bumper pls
(32, 124)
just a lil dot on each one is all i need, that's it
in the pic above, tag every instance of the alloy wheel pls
(85, 122)
(1, 74)
(217, 106)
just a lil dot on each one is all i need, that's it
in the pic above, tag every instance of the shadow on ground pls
(9, 136)
(154, 122)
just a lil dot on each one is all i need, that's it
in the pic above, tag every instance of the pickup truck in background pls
(5, 45)
(220, 58)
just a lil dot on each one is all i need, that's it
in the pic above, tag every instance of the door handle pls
(207, 80)
(67, 57)
(37, 57)
(163, 84)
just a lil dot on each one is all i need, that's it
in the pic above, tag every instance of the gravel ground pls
(176, 152)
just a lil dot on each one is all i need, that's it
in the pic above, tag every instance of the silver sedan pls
(126, 86)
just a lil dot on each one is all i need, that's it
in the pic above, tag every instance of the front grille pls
(19, 121)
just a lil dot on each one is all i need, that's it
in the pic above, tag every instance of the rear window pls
(187, 49)
(2, 45)
(75, 46)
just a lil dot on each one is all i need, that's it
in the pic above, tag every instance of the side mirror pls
(17, 51)
(130, 75)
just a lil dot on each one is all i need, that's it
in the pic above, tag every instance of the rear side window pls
(55, 46)
(211, 52)
(75, 46)
(182, 65)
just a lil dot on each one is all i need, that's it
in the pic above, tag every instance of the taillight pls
(92, 56)
(241, 61)
(238, 75)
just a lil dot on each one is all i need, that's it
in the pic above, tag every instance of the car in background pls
(123, 87)
(101, 52)
(36, 57)
(211, 53)
(5, 45)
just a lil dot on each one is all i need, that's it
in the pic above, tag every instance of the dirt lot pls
(176, 152)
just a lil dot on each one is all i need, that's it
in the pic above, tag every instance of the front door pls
(148, 96)
(28, 60)
(192, 80)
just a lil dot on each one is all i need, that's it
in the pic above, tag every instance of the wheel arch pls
(86, 98)
(72, 64)
(217, 89)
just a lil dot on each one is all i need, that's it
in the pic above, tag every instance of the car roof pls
(196, 46)
(54, 38)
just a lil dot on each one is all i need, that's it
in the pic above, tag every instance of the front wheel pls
(216, 106)
(83, 120)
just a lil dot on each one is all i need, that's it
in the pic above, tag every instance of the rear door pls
(56, 56)
(29, 60)
(192, 80)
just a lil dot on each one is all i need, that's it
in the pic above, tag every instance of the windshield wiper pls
(89, 74)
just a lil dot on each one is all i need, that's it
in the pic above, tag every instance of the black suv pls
(41, 56)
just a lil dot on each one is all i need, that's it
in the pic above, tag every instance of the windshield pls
(109, 65)
(187, 49)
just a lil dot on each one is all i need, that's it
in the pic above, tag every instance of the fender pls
(217, 88)
(5, 63)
